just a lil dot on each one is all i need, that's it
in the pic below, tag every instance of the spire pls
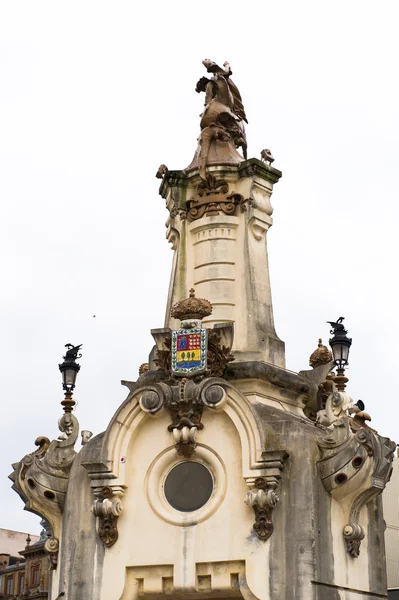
(219, 215)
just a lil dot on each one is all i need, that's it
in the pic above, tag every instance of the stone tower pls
(222, 475)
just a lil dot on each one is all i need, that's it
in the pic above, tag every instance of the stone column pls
(217, 229)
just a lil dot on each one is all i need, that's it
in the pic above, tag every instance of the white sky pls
(94, 96)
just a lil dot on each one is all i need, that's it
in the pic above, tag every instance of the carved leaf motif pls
(218, 356)
(107, 530)
(263, 525)
(212, 204)
(162, 359)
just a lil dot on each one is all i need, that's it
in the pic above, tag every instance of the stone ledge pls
(268, 372)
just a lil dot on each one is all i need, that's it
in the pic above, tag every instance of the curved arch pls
(129, 417)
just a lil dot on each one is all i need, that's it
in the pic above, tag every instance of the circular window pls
(188, 486)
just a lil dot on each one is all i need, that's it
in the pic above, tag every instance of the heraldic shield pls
(189, 351)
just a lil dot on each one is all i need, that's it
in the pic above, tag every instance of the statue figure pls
(223, 117)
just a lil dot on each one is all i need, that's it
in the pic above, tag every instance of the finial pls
(162, 171)
(28, 540)
(267, 157)
(191, 308)
(321, 356)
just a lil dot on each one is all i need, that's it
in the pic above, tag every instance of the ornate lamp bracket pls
(363, 457)
(262, 496)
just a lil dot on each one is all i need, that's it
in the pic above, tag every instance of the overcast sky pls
(94, 96)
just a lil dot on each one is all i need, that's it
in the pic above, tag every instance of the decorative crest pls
(191, 308)
(189, 351)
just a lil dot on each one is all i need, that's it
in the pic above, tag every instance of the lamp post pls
(69, 370)
(340, 345)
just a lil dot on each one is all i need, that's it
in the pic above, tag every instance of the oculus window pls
(188, 486)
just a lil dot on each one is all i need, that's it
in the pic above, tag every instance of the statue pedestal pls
(217, 229)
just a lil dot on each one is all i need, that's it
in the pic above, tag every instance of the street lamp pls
(340, 345)
(69, 370)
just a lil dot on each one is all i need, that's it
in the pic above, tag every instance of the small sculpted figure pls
(267, 157)
(338, 405)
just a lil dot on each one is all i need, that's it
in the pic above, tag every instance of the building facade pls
(223, 474)
(24, 573)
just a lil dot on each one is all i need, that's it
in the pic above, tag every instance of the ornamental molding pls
(41, 479)
(258, 227)
(355, 466)
(186, 402)
(262, 497)
(108, 507)
(212, 205)
(212, 579)
(161, 466)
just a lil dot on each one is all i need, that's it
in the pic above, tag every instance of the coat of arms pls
(189, 351)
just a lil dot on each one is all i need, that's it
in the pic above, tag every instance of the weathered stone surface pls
(294, 481)
(222, 254)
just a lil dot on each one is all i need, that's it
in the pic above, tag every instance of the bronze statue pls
(223, 117)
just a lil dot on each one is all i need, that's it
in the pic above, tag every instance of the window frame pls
(35, 574)
(9, 579)
(21, 583)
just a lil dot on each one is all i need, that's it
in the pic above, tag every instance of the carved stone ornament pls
(219, 349)
(220, 342)
(353, 464)
(267, 157)
(262, 497)
(191, 308)
(262, 500)
(185, 401)
(321, 356)
(41, 479)
(212, 198)
(108, 507)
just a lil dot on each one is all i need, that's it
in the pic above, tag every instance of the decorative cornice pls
(170, 179)
(254, 166)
